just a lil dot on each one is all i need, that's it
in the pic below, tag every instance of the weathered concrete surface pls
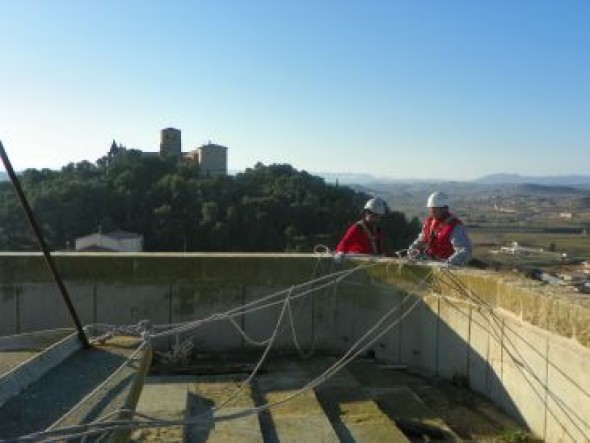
(510, 361)
(351, 409)
(119, 391)
(9, 314)
(36, 298)
(190, 302)
(27, 288)
(390, 390)
(452, 354)
(371, 405)
(568, 392)
(449, 332)
(60, 390)
(25, 358)
(554, 309)
(524, 372)
(16, 349)
(358, 416)
(431, 410)
(216, 391)
(479, 364)
(193, 398)
(166, 399)
(301, 418)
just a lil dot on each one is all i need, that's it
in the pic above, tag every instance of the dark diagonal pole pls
(48, 258)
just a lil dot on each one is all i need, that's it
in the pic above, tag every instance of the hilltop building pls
(116, 241)
(170, 142)
(211, 158)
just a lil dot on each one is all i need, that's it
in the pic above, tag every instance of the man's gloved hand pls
(339, 257)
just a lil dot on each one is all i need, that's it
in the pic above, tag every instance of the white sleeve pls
(462, 245)
(419, 242)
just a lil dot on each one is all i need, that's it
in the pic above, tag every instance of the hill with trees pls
(273, 208)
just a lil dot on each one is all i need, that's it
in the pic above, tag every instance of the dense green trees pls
(265, 208)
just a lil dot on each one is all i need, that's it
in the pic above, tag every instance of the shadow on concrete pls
(57, 392)
(267, 425)
(202, 407)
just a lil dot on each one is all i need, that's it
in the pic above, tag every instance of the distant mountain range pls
(555, 180)
(492, 179)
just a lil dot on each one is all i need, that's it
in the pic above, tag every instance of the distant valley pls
(504, 179)
(491, 179)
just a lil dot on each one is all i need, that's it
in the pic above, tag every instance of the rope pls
(101, 427)
(179, 353)
(520, 361)
(98, 426)
(322, 251)
(252, 306)
(302, 354)
(236, 311)
(262, 358)
(101, 386)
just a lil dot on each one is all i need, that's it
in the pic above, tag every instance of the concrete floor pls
(57, 394)
(363, 402)
(366, 401)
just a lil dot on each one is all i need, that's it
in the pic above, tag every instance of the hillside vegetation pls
(266, 208)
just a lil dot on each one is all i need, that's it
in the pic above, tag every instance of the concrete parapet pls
(582, 325)
(29, 371)
(499, 334)
(98, 281)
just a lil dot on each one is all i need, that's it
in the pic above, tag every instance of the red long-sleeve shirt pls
(357, 240)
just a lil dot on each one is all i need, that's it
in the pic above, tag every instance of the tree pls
(265, 208)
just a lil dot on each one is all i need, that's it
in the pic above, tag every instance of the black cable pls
(44, 248)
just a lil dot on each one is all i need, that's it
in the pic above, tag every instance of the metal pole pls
(44, 247)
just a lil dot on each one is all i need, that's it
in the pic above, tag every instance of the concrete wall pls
(521, 344)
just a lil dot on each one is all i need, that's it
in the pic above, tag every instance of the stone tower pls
(212, 160)
(170, 144)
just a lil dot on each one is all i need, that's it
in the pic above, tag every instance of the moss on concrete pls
(23, 267)
(212, 276)
(582, 325)
(7, 293)
(483, 285)
(406, 277)
(560, 317)
(535, 309)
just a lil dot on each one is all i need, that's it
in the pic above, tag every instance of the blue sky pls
(451, 89)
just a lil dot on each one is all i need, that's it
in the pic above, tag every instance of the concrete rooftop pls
(285, 348)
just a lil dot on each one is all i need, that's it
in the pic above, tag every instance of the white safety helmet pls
(376, 205)
(437, 200)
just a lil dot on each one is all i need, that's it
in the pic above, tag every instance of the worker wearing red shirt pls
(364, 236)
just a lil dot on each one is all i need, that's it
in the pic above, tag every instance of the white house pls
(116, 241)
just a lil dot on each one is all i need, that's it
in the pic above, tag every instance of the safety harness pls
(433, 248)
(434, 232)
(372, 237)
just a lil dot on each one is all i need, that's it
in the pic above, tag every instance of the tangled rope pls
(102, 426)
(284, 299)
